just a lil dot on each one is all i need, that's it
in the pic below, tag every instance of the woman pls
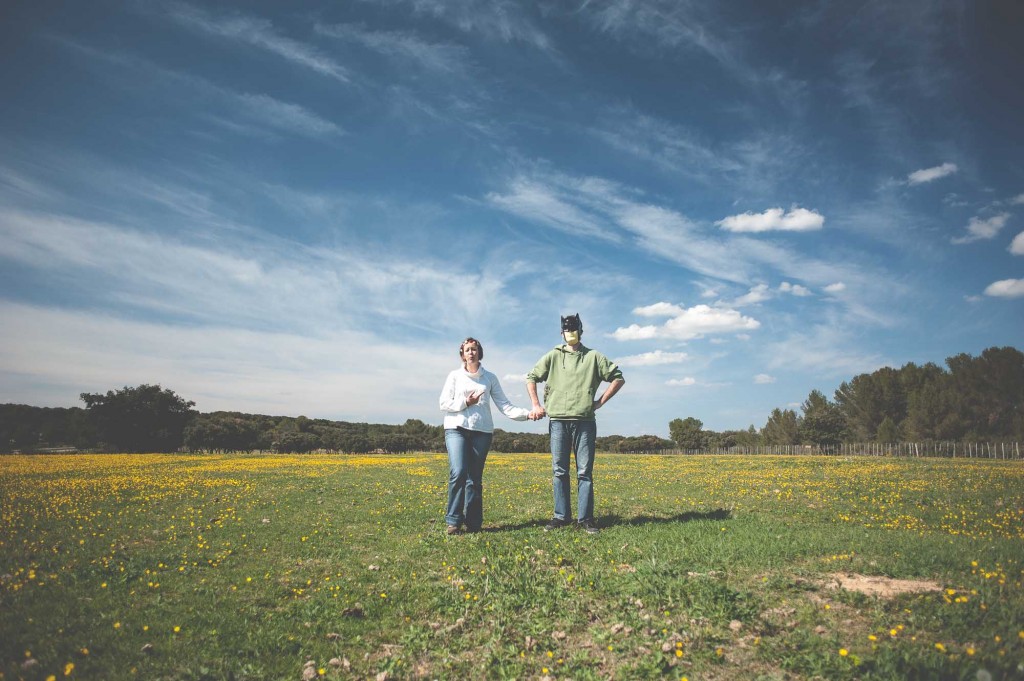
(466, 402)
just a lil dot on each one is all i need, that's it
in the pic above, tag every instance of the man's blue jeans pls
(467, 452)
(578, 437)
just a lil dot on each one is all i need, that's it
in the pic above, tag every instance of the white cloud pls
(514, 378)
(659, 310)
(978, 229)
(694, 322)
(259, 33)
(796, 220)
(1017, 245)
(837, 287)
(1006, 288)
(689, 380)
(930, 174)
(635, 332)
(763, 379)
(1017, 200)
(655, 358)
(795, 289)
(757, 294)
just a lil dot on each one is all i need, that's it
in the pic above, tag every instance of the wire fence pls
(950, 450)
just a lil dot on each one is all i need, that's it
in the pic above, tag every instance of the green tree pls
(867, 399)
(822, 423)
(782, 428)
(142, 419)
(687, 433)
(888, 432)
(990, 391)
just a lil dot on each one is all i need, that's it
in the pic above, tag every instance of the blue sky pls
(303, 208)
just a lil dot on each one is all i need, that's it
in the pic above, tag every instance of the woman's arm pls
(507, 408)
(451, 400)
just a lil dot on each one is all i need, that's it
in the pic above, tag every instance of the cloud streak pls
(257, 33)
(931, 174)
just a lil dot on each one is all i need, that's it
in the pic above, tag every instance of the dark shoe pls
(589, 526)
(554, 524)
(452, 529)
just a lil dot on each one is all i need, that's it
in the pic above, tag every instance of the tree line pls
(972, 399)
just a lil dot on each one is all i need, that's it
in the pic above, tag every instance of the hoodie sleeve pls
(507, 408)
(539, 373)
(450, 401)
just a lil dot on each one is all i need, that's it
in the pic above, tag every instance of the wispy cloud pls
(489, 20)
(673, 28)
(656, 358)
(681, 382)
(403, 46)
(796, 220)
(1006, 288)
(763, 379)
(250, 284)
(547, 205)
(826, 349)
(593, 206)
(220, 367)
(931, 174)
(285, 116)
(695, 322)
(667, 145)
(979, 229)
(257, 33)
(241, 112)
(837, 287)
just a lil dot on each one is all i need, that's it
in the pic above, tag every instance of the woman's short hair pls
(469, 340)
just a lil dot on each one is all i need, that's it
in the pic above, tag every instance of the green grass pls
(235, 567)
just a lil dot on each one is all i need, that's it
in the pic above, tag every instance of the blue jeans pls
(467, 452)
(579, 437)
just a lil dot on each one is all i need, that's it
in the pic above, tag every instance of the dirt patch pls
(883, 587)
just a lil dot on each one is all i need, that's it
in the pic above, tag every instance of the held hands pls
(537, 413)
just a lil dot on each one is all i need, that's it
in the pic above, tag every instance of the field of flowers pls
(707, 567)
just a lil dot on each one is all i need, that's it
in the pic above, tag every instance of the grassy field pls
(292, 567)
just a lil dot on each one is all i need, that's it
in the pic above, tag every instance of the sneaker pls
(554, 524)
(452, 529)
(589, 526)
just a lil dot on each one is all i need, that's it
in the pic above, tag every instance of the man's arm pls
(538, 411)
(609, 393)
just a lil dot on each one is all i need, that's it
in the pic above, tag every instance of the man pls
(572, 373)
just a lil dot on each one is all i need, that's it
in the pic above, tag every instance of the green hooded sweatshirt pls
(571, 380)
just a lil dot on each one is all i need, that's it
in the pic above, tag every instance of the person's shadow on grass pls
(612, 520)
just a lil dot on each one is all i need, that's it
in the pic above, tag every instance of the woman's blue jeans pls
(579, 437)
(467, 452)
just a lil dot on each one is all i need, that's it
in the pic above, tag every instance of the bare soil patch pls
(883, 587)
